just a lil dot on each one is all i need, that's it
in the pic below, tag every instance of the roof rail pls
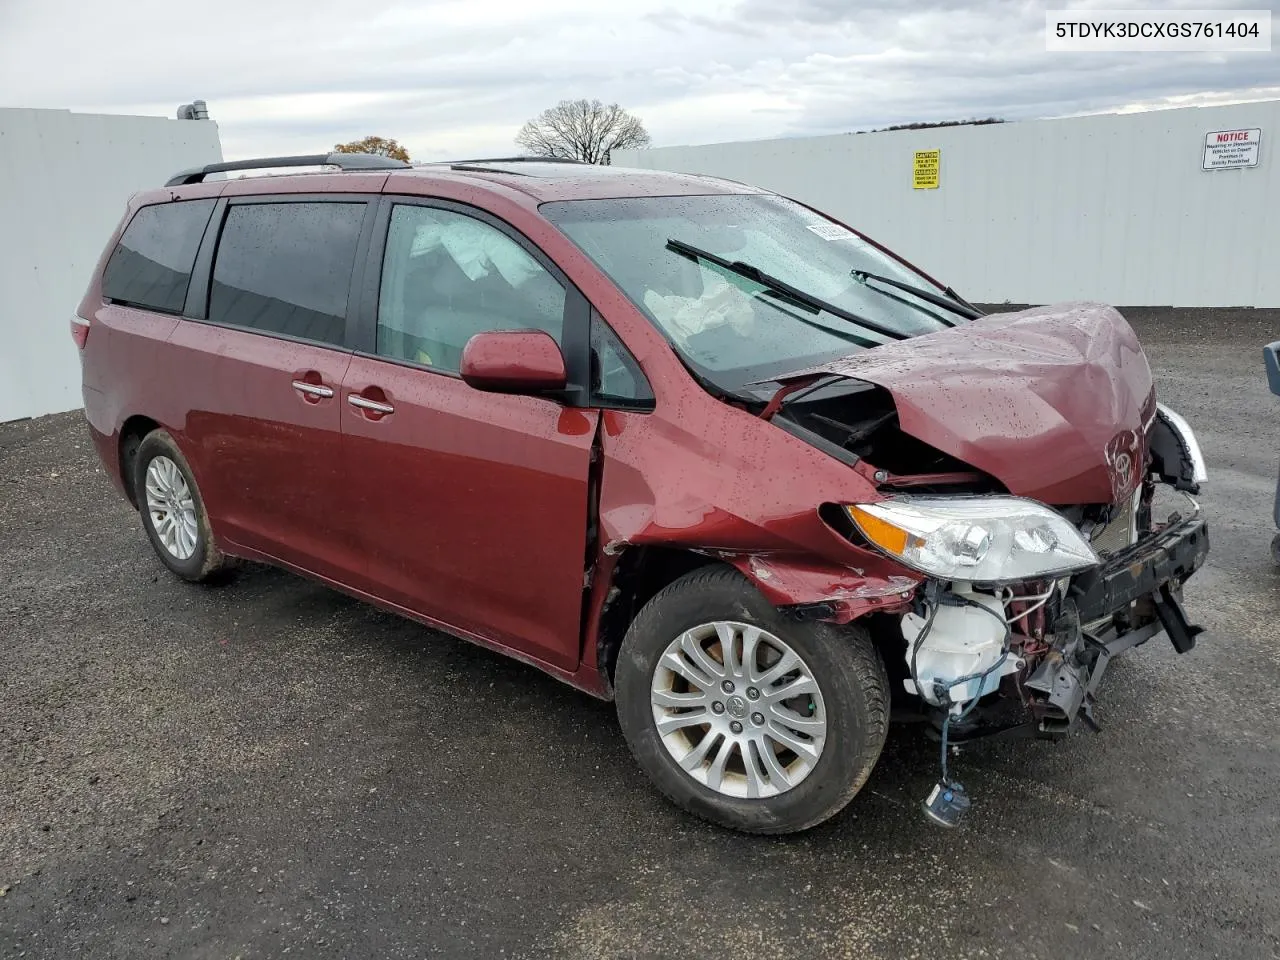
(343, 161)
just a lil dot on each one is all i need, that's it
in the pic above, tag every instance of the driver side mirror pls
(513, 361)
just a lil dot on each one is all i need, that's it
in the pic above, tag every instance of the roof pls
(547, 181)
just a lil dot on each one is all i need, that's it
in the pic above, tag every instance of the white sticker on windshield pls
(832, 231)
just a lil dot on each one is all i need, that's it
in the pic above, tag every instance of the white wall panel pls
(64, 181)
(1113, 208)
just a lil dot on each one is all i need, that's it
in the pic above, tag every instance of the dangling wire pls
(932, 600)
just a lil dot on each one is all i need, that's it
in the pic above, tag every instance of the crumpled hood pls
(1051, 401)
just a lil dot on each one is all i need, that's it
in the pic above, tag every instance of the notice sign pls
(925, 171)
(1228, 149)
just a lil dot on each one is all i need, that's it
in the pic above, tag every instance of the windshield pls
(731, 329)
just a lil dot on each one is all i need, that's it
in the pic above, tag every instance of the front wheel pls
(745, 717)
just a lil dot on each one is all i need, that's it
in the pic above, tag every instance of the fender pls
(695, 486)
(824, 591)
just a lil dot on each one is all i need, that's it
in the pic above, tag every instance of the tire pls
(185, 546)
(1275, 548)
(852, 697)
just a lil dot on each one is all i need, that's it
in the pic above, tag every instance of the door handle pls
(364, 403)
(312, 389)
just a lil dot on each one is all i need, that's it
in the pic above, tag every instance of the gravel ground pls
(270, 768)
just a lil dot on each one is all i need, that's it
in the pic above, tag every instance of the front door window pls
(446, 277)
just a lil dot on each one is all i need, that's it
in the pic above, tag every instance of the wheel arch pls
(639, 573)
(807, 590)
(132, 433)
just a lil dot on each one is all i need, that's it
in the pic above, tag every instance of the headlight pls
(980, 539)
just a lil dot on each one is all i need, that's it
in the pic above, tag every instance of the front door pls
(261, 378)
(471, 506)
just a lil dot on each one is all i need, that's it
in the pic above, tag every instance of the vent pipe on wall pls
(196, 110)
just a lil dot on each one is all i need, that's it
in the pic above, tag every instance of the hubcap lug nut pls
(717, 707)
(736, 727)
(757, 719)
(727, 686)
(753, 693)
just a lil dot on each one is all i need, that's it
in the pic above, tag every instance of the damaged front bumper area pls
(1123, 602)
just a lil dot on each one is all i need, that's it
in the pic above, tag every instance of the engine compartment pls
(859, 421)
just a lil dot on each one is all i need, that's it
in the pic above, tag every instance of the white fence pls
(64, 181)
(1113, 208)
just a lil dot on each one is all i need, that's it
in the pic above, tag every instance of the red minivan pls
(680, 442)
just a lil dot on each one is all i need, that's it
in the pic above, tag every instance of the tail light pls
(80, 330)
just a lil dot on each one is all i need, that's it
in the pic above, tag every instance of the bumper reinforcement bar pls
(1172, 555)
(1112, 608)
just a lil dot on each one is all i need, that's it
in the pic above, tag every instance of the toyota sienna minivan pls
(677, 441)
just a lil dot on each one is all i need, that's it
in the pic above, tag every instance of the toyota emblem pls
(1124, 471)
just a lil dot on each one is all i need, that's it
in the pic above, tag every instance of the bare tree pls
(381, 146)
(582, 130)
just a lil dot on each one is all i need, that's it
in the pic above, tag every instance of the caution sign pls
(1229, 149)
(925, 171)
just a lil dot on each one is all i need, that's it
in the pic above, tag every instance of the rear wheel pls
(745, 717)
(173, 512)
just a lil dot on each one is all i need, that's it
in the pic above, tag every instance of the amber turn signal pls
(891, 539)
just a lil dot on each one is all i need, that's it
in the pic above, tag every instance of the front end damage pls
(988, 651)
(1123, 602)
(1026, 659)
(1026, 656)
(989, 502)
(1031, 661)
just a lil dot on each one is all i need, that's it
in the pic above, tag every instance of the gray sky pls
(455, 79)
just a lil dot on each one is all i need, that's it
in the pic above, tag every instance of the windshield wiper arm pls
(755, 275)
(952, 302)
(963, 302)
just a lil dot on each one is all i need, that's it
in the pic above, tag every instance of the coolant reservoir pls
(963, 641)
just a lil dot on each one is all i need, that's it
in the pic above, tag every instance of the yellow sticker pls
(425, 358)
(925, 170)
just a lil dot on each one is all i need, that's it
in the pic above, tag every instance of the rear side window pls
(285, 268)
(151, 265)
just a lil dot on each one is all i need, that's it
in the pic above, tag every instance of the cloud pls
(450, 78)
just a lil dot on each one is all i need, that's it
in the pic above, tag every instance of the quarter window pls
(151, 265)
(446, 277)
(285, 268)
(616, 378)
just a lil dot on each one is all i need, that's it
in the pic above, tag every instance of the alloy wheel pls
(738, 709)
(172, 508)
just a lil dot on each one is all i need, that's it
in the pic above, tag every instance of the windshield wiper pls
(951, 302)
(755, 275)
